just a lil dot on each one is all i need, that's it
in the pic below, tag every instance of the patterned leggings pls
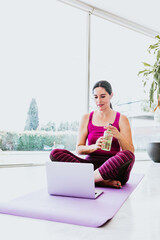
(117, 167)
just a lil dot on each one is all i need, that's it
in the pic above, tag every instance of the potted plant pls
(151, 77)
(151, 73)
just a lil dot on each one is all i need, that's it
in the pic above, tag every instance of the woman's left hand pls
(114, 131)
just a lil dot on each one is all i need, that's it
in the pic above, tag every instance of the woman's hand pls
(99, 143)
(113, 131)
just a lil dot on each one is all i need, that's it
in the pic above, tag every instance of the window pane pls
(42, 57)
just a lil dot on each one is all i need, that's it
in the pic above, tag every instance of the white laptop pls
(71, 179)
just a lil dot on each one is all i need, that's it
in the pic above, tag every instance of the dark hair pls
(104, 84)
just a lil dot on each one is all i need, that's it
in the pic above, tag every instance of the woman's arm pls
(124, 136)
(81, 147)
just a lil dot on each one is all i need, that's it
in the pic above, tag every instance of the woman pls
(111, 168)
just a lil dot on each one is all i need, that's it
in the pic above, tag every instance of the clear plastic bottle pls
(108, 140)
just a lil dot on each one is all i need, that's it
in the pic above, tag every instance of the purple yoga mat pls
(85, 212)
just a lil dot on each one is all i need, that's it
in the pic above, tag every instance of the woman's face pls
(102, 98)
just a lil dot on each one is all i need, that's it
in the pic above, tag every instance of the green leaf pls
(155, 87)
(151, 94)
(153, 46)
(145, 74)
(156, 76)
(158, 90)
(155, 65)
(158, 55)
(146, 64)
(140, 72)
(158, 37)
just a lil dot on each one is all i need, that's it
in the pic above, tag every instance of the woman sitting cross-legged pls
(111, 168)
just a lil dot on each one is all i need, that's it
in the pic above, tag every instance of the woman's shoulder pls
(123, 119)
(86, 117)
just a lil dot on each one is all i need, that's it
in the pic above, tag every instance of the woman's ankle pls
(97, 176)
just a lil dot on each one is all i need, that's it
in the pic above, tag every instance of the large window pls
(42, 58)
(116, 55)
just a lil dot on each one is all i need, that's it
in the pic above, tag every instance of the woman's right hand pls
(99, 143)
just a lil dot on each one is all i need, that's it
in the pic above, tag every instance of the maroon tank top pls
(94, 132)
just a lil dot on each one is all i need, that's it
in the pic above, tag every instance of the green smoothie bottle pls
(108, 140)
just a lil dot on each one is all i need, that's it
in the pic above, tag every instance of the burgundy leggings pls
(117, 167)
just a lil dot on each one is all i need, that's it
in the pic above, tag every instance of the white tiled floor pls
(138, 218)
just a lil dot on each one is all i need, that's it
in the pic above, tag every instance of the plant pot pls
(153, 150)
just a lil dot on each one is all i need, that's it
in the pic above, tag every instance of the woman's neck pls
(105, 113)
(101, 118)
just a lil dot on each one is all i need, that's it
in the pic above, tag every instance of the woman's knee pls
(127, 166)
(54, 153)
(127, 155)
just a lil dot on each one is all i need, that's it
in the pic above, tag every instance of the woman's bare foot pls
(109, 183)
(100, 182)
